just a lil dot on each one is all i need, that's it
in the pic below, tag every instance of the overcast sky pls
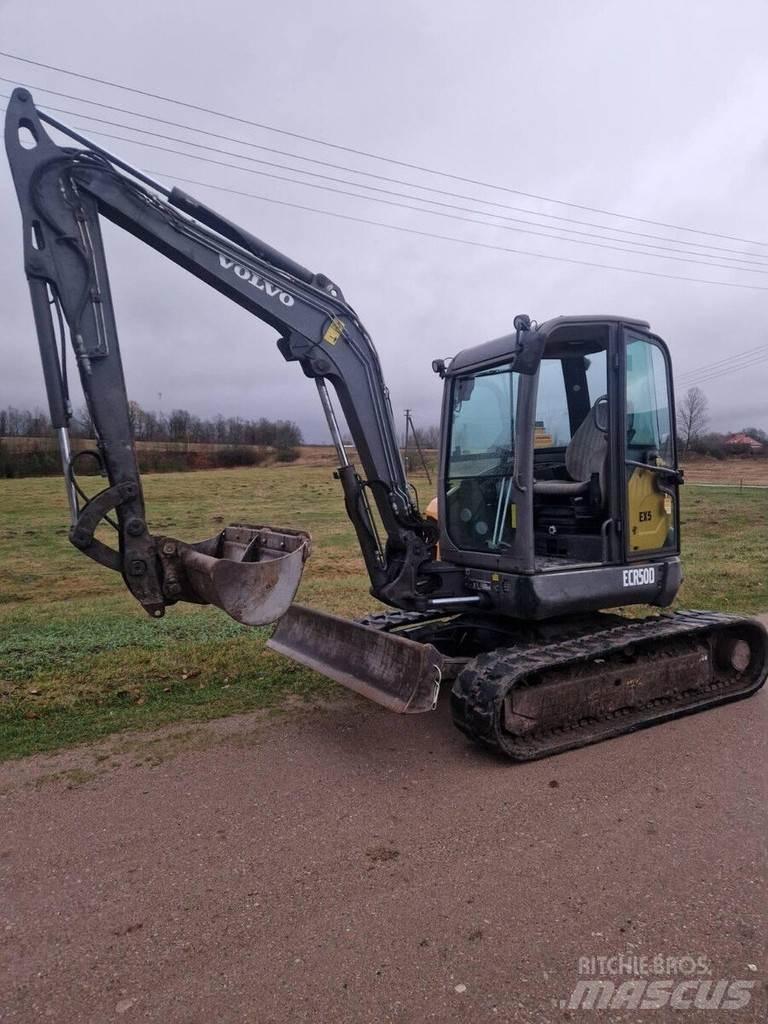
(657, 110)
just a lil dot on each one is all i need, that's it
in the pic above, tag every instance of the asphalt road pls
(347, 865)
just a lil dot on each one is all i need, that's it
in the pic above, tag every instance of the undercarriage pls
(528, 690)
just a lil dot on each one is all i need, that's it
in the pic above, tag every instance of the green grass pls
(80, 660)
(725, 549)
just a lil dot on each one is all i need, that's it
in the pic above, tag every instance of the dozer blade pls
(398, 673)
(251, 572)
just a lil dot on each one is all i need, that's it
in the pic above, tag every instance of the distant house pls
(541, 437)
(744, 441)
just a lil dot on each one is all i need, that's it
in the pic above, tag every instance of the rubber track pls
(479, 691)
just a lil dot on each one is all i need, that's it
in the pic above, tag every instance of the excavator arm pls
(250, 571)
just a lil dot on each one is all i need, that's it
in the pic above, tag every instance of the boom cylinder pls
(333, 425)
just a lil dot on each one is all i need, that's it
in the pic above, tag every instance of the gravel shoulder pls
(343, 864)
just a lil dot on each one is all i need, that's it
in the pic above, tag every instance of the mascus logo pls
(246, 274)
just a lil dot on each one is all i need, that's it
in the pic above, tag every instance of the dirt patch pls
(353, 865)
(82, 765)
(734, 471)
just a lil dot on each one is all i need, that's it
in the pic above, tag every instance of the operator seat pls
(585, 456)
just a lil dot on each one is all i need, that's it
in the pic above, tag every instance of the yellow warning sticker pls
(513, 516)
(333, 331)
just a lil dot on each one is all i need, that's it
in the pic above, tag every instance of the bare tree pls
(756, 432)
(693, 417)
(428, 437)
(82, 425)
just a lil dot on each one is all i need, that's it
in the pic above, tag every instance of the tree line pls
(178, 427)
(181, 426)
(693, 435)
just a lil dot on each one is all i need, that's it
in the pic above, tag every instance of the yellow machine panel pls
(651, 513)
(432, 513)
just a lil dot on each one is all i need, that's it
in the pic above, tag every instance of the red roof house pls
(744, 441)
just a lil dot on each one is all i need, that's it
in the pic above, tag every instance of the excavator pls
(558, 491)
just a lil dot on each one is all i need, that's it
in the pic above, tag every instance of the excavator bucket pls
(251, 572)
(400, 674)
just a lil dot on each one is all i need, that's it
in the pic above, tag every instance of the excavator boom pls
(250, 571)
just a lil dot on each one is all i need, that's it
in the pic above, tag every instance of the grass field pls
(749, 471)
(79, 659)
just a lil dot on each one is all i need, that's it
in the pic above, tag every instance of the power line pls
(677, 253)
(719, 374)
(426, 234)
(468, 241)
(451, 206)
(372, 156)
(326, 188)
(704, 374)
(384, 177)
(726, 371)
(725, 361)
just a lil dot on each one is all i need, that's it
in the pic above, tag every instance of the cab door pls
(651, 478)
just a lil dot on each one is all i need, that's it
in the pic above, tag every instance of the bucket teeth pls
(250, 572)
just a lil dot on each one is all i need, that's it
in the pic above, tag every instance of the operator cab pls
(560, 448)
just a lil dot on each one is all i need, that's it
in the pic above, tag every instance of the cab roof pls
(567, 328)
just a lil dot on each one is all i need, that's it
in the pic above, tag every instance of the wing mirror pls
(601, 414)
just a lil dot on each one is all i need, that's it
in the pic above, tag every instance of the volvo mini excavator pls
(558, 483)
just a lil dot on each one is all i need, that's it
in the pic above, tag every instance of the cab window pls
(651, 495)
(480, 516)
(568, 388)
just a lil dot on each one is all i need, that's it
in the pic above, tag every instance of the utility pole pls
(409, 427)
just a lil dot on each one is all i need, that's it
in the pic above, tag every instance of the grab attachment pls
(250, 572)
